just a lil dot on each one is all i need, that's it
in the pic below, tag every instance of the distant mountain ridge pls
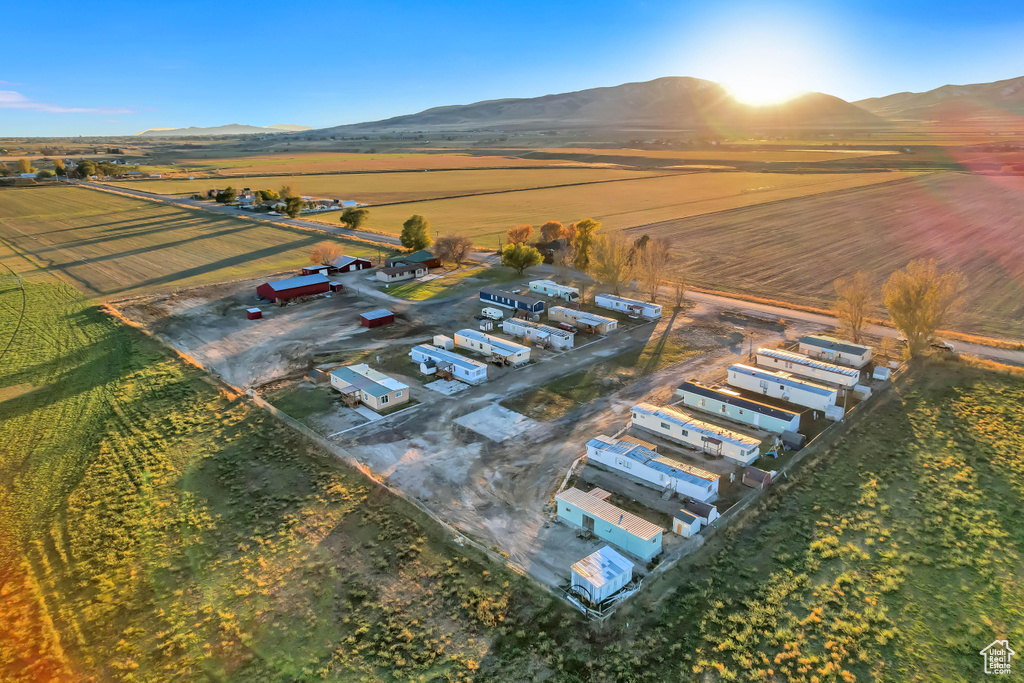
(230, 129)
(664, 104)
(952, 102)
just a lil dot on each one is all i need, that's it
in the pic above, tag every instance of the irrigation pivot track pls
(21, 316)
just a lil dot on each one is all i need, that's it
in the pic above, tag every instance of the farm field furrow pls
(380, 188)
(618, 205)
(969, 222)
(108, 245)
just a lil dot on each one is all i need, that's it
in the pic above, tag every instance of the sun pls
(760, 89)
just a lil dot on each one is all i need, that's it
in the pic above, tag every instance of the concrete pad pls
(497, 423)
(367, 413)
(447, 387)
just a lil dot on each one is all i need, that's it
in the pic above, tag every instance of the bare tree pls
(609, 262)
(563, 259)
(453, 248)
(324, 253)
(920, 300)
(651, 263)
(853, 301)
(679, 289)
(519, 234)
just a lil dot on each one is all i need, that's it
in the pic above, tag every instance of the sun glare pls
(761, 90)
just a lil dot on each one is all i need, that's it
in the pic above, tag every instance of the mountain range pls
(952, 102)
(230, 129)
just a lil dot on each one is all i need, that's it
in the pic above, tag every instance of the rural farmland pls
(107, 245)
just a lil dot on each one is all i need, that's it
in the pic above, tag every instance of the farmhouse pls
(421, 257)
(600, 575)
(622, 529)
(798, 364)
(511, 300)
(293, 288)
(824, 347)
(376, 318)
(685, 523)
(508, 352)
(552, 288)
(537, 333)
(588, 322)
(729, 404)
(345, 264)
(686, 429)
(631, 307)
(432, 358)
(374, 389)
(782, 385)
(652, 469)
(705, 512)
(402, 272)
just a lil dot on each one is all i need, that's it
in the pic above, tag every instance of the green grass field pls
(112, 246)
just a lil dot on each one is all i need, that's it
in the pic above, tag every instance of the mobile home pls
(782, 385)
(686, 429)
(824, 347)
(652, 469)
(600, 575)
(588, 322)
(512, 300)
(729, 404)
(462, 368)
(552, 288)
(538, 333)
(798, 364)
(622, 529)
(631, 307)
(374, 389)
(489, 345)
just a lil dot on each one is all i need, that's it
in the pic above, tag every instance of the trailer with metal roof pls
(588, 322)
(431, 358)
(600, 575)
(631, 307)
(552, 288)
(782, 385)
(538, 333)
(799, 364)
(729, 404)
(828, 348)
(651, 469)
(684, 428)
(622, 529)
(512, 300)
(501, 350)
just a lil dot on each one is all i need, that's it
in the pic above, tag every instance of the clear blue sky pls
(111, 67)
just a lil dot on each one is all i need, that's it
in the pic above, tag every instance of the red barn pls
(376, 318)
(253, 313)
(345, 264)
(294, 287)
(313, 270)
(337, 287)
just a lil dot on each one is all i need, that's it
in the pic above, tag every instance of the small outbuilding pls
(253, 313)
(293, 288)
(312, 270)
(337, 287)
(686, 523)
(376, 318)
(345, 264)
(705, 512)
(756, 478)
(600, 575)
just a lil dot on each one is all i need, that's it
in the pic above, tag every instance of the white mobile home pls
(489, 345)
(652, 469)
(462, 368)
(600, 575)
(538, 333)
(631, 307)
(622, 529)
(686, 429)
(552, 288)
(782, 385)
(729, 404)
(798, 364)
(588, 322)
(824, 347)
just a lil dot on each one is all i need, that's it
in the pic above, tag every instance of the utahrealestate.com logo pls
(997, 657)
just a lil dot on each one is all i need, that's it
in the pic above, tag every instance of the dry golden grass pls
(808, 152)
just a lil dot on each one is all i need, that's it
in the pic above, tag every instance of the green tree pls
(520, 256)
(293, 206)
(44, 174)
(227, 195)
(86, 168)
(583, 242)
(920, 300)
(287, 192)
(58, 167)
(416, 233)
(354, 218)
(268, 195)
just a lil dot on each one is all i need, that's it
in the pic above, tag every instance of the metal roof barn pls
(729, 404)
(376, 318)
(294, 287)
(686, 429)
(799, 364)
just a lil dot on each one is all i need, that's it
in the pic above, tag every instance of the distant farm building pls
(552, 288)
(507, 352)
(376, 318)
(293, 288)
(421, 257)
(543, 335)
(512, 300)
(586, 322)
(622, 529)
(654, 470)
(782, 385)
(600, 575)
(826, 348)
(799, 364)
(370, 387)
(631, 307)
(729, 404)
(433, 360)
(402, 272)
(345, 264)
(686, 429)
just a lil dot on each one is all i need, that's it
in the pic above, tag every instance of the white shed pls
(631, 307)
(444, 342)
(600, 575)
(685, 523)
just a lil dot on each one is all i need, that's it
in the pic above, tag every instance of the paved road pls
(992, 353)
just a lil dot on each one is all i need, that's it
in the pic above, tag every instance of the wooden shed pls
(756, 478)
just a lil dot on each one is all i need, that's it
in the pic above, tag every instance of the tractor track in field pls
(21, 315)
